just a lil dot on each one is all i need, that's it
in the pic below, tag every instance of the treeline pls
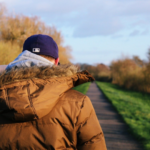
(14, 29)
(100, 72)
(130, 73)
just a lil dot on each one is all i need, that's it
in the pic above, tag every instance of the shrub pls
(8, 52)
(128, 74)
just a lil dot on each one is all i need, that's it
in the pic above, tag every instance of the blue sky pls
(98, 31)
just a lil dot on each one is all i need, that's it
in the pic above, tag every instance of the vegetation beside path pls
(83, 88)
(134, 107)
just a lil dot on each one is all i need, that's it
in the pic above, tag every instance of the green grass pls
(134, 107)
(83, 87)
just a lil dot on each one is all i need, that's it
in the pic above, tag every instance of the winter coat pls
(39, 110)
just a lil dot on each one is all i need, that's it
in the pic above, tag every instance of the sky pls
(98, 31)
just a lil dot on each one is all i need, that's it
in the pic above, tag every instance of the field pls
(134, 107)
(83, 87)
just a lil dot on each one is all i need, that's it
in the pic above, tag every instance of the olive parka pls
(39, 110)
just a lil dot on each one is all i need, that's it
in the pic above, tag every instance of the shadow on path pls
(115, 130)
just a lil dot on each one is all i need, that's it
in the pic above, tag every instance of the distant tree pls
(121, 69)
(138, 61)
(102, 67)
(3, 11)
(100, 72)
(148, 55)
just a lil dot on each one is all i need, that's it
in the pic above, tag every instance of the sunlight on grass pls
(134, 107)
(83, 88)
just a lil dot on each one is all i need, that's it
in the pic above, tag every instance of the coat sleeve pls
(89, 133)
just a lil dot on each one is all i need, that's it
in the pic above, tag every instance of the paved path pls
(115, 131)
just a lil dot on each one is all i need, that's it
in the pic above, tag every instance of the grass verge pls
(83, 87)
(134, 107)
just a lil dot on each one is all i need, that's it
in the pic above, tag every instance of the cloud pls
(103, 26)
(145, 32)
(139, 32)
(134, 33)
(116, 36)
(88, 18)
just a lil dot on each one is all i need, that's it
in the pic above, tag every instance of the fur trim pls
(37, 72)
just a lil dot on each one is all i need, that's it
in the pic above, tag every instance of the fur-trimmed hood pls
(31, 93)
(43, 72)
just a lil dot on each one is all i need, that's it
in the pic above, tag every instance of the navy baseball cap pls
(41, 45)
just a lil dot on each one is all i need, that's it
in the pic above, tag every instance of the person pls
(39, 110)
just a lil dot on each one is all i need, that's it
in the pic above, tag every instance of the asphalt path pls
(115, 130)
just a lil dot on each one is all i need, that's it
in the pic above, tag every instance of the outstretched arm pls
(89, 133)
